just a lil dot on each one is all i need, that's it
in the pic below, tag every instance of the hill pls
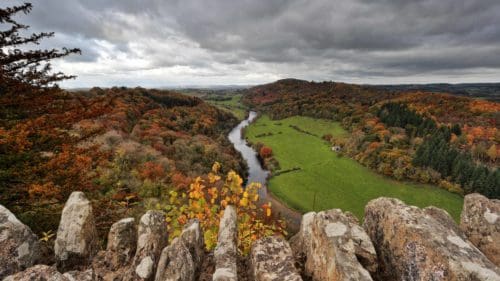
(487, 91)
(126, 148)
(436, 138)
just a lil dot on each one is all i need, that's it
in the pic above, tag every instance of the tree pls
(456, 129)
(266, 152)
(492, 152)
(19, 66)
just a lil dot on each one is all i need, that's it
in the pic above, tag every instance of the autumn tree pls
(19, 66)
(265, 152)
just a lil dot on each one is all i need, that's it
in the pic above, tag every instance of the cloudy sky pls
(156, 43)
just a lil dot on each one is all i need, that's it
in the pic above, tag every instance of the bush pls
(265, 152)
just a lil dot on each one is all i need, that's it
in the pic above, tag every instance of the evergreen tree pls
(456, 129)
(20, 67)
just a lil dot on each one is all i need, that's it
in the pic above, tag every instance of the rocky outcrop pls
(152, 238)
(181, 260)
(480, 221)
(77, 240)
(338, 248)
(398, 242)
(38, 273)
(226, 252)
(176, 263)
(301, 242)
(122, 242)
(444, 218)
(413, 245)
(192, 237)
(19, 247)
(271, 259)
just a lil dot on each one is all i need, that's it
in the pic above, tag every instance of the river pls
(258, 174)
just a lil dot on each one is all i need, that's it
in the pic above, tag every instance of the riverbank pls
(256, 173)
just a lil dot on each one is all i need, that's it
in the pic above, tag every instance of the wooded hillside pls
(447, 140)
(121, 145)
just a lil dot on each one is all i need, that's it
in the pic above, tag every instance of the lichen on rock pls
(480, 221)
(412, 245)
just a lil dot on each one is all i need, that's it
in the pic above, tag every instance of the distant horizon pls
(212, 86)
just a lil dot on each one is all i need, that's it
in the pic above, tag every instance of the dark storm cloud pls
(322, 39)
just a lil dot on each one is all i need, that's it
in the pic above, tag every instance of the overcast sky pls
(156, 43)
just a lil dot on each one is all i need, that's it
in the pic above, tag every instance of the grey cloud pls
(349, 39)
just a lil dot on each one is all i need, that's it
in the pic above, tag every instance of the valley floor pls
(326, 181)
(233, 105)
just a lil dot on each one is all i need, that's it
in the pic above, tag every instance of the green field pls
(338, 182)
(234, 106)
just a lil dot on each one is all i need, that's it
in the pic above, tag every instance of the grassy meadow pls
(327, 181)
(233, 105)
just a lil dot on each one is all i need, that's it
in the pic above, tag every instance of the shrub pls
(265, 152)
(206, 200)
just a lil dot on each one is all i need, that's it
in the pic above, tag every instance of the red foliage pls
(265, 152)
(152, 171)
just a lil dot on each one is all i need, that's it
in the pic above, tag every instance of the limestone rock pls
(480, 221)
(19, 246)
(152, 238)
(301, 241)
(339, 248)
(176, 263)
(226, 252)
(182, 259)
(271, 259)
(192, 236)
(444, 218)
(122, 242)
(87, 275)
(76, 241)
(38, 273)
(413, 245)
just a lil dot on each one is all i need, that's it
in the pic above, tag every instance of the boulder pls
(192, 237)
(77, 241)
(301, 241)
(182, 259)
(176, 263)
(271, 259)
(480, 221)
(226, 252)
(152, 238)
(38, 273)
(445, 219)
(122, 242)
(413, 245)
(339, 249)
(19, 246)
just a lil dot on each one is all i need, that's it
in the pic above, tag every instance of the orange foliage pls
(180, 181)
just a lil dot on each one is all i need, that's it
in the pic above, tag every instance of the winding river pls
(258, 174)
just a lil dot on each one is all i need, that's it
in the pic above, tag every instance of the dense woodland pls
(446, 140)
(119, 144)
